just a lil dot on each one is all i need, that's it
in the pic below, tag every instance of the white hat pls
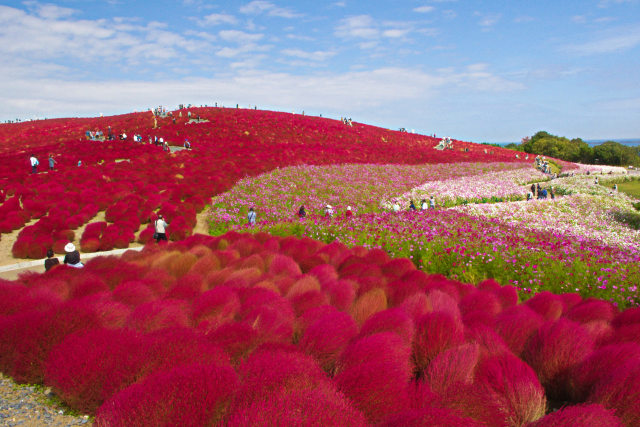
(348, 208)
(69, 247)
(329, 206)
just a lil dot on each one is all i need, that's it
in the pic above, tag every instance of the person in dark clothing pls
(412, 206)
(533, 189)
(301, 212)
(50, 261)
(72, 256)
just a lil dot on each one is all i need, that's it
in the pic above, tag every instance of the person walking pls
(34, 163)
(52, 162)
(160, 227)
(251, 216)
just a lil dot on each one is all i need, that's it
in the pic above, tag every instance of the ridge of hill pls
(228, 144)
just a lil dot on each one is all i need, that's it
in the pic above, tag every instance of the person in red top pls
(348, 212)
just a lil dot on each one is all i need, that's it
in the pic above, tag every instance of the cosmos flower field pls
(489, 310)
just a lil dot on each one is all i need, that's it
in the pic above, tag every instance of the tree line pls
(576, 150)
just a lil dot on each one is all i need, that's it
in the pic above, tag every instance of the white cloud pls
(51, 34)
(358, 91)
(258, 7)
(219, 18)
(424, 9)
(239, 36)
(395, 33)
(361, 26)
(614, 40)
(365, 27)
(313, 56)
(488, 20)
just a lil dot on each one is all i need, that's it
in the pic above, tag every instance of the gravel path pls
(24, 405)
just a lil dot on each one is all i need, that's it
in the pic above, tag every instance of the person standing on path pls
(160, 226)
(34, 163)
(251, 216)
(52, 162)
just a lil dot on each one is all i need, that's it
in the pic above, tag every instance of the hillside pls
(487, 307)
(131, 181)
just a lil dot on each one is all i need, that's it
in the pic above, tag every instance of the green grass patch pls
(630, 188)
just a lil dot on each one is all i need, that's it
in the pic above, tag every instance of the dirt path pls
(7, 241)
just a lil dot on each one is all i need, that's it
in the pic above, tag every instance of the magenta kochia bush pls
(435, 332)
(619, 391)
(309, 345)
(554, 351)
(187, 395)
(506, 392)
(580, 415)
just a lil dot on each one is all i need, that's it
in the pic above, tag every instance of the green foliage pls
(613, 153)
(576, 150)
(630, 219)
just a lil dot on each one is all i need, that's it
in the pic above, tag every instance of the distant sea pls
(632, 142)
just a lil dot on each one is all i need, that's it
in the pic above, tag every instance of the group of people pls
(34, 162)
(71, 258)
(346, 121)
(542, 164)
(445, 144)
(537, 192)
(424, 204)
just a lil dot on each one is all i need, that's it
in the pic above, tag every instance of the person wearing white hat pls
(328, 211)
(348, 212)
(72, 256)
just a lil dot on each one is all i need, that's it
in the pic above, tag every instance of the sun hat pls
(69, 247)
(348, 208)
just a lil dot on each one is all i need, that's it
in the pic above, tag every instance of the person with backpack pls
(160, 226)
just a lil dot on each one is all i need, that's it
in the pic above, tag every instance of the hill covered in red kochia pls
(132, 180)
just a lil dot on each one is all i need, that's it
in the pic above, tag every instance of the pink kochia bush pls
(262, 330)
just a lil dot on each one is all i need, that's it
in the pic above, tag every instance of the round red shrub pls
(187, 395)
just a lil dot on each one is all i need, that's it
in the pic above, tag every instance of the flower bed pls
(246, 330)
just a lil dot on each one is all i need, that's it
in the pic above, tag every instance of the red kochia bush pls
(527, 321)
(188, 395)
(270, 372)
(326, 338)
(392, 320)
(506, 392)
(599, 365)
(378, 389)
(309, 407)
(87, 368)
(619, 391)
(580, 415)
(554, 350)
(452, 368)
(435, 332)
(429, 417)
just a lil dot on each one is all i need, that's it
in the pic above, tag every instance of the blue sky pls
(474, 70)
